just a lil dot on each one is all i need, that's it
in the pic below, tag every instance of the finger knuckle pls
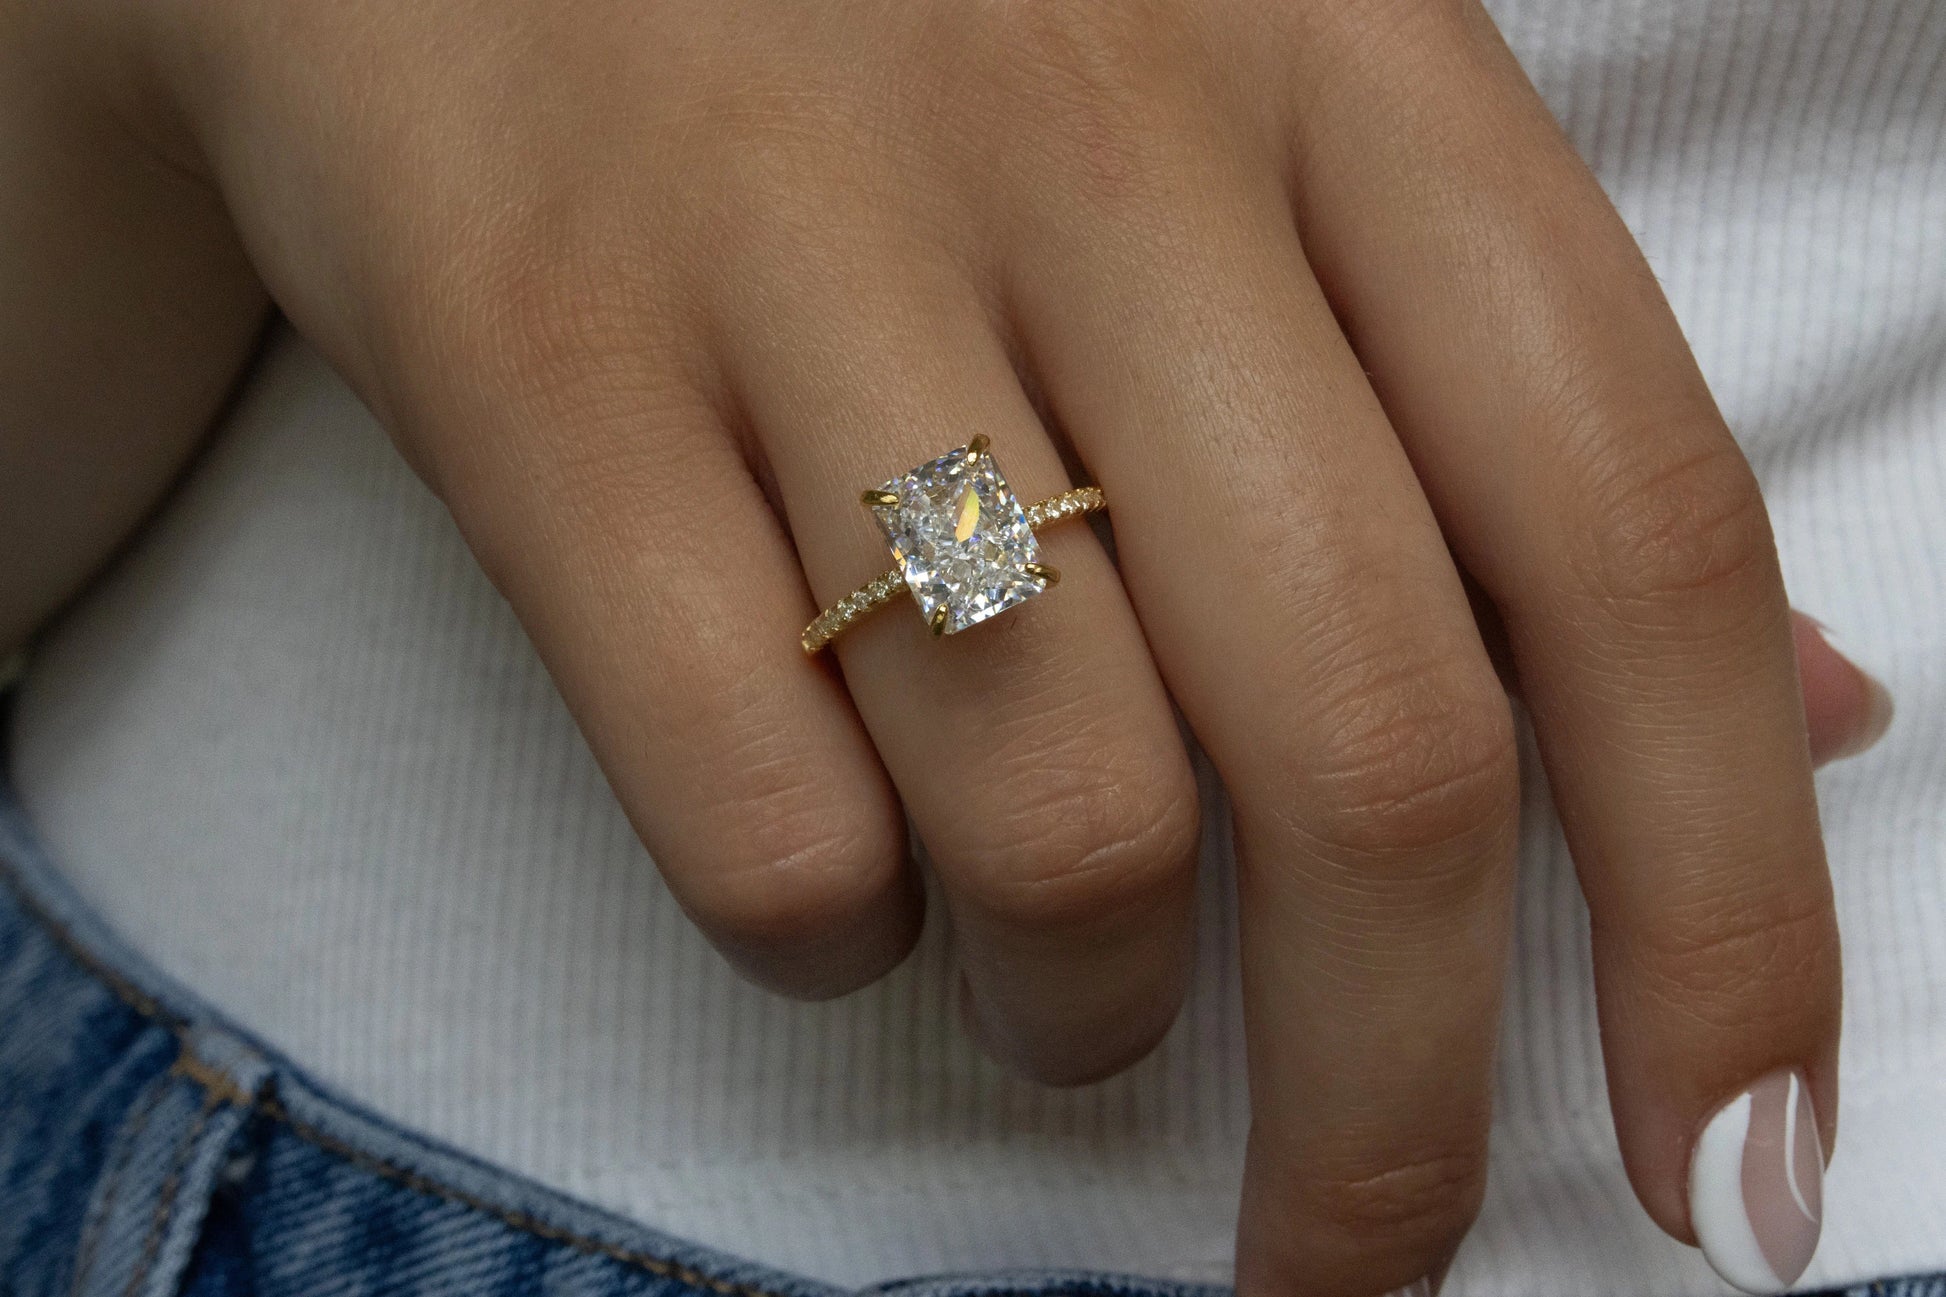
(1101, 82)
(547, 323)
(548, 319)
(809, 875)
(789, 182)
(1402, 1204)
(1679, 535)
(1083, 846)
(1725, 962)
(792, 851)
(1393, 25)
(772, 180)
(1415, 760)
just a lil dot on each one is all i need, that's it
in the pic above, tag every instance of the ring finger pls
(1036, 754)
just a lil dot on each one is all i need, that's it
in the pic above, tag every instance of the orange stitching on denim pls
(519, 1220)
(165, 1201)
(137, 1121)
(124, 990)
(201, 1074)
(214, 1082)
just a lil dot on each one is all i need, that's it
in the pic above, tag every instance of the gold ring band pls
(885, 587)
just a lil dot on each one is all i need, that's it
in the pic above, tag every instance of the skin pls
(1315, 289)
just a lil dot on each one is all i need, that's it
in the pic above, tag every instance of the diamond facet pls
(960, 538)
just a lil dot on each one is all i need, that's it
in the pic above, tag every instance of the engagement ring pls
(960, 541)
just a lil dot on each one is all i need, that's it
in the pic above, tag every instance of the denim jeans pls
(147, 1147)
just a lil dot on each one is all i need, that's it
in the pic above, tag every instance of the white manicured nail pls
(1756, 1185)
(1878, 716)
(1427, 1287)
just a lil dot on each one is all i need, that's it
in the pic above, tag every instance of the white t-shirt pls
(297, 749)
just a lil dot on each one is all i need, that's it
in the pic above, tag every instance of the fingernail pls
(1878, 708)
(1427, 1287)
(1756, 1185)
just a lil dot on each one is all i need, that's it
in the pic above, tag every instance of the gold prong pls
(978, 446)
(938, 623)
(1048, 575)
(873, 499)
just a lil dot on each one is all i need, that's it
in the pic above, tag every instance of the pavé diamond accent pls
(887, 586)
(960, 538)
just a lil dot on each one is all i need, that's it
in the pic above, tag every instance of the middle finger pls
(1304, 611)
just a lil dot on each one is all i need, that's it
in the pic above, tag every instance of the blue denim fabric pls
(149, 1148)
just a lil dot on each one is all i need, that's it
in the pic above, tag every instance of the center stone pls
(960, 538)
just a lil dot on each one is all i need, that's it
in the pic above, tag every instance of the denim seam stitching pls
(201, 1075)
(413, 1180)
(214, 1083)
(165, 1200)
(150, 1100)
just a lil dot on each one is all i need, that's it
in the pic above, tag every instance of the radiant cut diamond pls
(960, 538)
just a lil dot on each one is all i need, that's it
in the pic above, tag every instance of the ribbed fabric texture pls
(299, 751)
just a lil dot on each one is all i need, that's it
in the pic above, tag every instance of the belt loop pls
(167, 1158)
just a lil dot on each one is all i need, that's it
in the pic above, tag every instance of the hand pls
(1317, 292)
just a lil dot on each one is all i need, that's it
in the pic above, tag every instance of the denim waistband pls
(149, 1147)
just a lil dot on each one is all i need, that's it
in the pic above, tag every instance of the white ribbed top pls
(298, 750)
